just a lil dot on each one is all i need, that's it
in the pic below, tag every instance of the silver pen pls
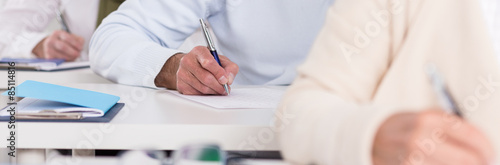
(211, 47)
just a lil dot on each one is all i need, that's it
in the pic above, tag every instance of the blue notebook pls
(60, 96)
(35, 60)
(42, 64)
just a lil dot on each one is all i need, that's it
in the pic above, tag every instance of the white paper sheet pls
(241, 98)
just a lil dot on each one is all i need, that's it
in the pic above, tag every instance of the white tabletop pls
(134, 160)
(154, 119)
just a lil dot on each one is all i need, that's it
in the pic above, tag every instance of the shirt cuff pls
(149, 64)
(331, 131)
(357, 133)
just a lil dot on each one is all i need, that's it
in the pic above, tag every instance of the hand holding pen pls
(60, 43)
(199, 72)
(436, 135)
(449, 105)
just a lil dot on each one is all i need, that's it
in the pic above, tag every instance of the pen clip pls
(206, 32)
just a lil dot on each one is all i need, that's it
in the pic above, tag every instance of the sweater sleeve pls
(333, 118)
(132, 44)
(367, 64)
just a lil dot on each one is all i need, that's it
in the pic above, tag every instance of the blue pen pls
(447, 101)
(443, 93)
(61, 20)
(211, 47)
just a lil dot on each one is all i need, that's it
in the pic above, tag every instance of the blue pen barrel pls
(216, 56)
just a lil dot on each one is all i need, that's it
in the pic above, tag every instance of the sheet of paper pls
(241, 98)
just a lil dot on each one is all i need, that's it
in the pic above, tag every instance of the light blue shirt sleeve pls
(267, 39)
(137, 39)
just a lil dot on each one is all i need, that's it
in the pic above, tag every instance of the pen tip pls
(226, 88)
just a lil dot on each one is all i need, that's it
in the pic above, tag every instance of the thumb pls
(230, 67)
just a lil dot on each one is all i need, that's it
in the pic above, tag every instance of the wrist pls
(167, 76)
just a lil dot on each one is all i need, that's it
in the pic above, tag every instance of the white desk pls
(145, 160)
(154, 119)
(84, 75)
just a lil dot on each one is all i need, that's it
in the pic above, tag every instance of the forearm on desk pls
(21, 28)
(319, 127)
(20, 46)
(333, 120)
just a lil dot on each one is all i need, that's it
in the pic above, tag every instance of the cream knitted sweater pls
(367, 64)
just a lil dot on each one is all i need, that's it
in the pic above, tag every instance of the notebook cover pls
(31, 68)
(104, 119)
(80, 97)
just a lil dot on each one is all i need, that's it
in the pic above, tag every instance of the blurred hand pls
(430, 137)
(197, 73)
(59, 44)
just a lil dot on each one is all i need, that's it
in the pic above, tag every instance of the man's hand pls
(197, 73)
(59, 44)
(430, 137)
